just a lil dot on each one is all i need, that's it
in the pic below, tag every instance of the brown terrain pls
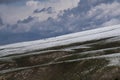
(97, 61)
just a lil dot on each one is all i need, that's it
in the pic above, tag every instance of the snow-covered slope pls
(95, 34)
(90, 51)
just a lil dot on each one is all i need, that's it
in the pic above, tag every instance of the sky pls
(27, 20)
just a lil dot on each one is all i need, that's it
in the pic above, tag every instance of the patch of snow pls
(75, 47)
(114, 62)
(113, 39)
(90, 52)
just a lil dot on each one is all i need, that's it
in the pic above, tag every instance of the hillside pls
(87, 55)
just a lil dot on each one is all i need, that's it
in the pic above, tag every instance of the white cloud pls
(58, 7)
(105, 10)
(111, 22)
(32, 3)
(57, 4)
(10, 14)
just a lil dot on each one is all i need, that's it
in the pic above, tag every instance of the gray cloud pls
(12, 1)
(80, 20)
(49, 10)
(9, 1)
(75, 19)
(27, 20)
(1, 22)
(72, 20)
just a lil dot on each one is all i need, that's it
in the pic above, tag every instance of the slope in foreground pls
(87, 55)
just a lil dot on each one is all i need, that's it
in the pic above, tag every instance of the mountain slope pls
(87, 55)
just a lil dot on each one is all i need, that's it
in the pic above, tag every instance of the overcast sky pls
(24, 20)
